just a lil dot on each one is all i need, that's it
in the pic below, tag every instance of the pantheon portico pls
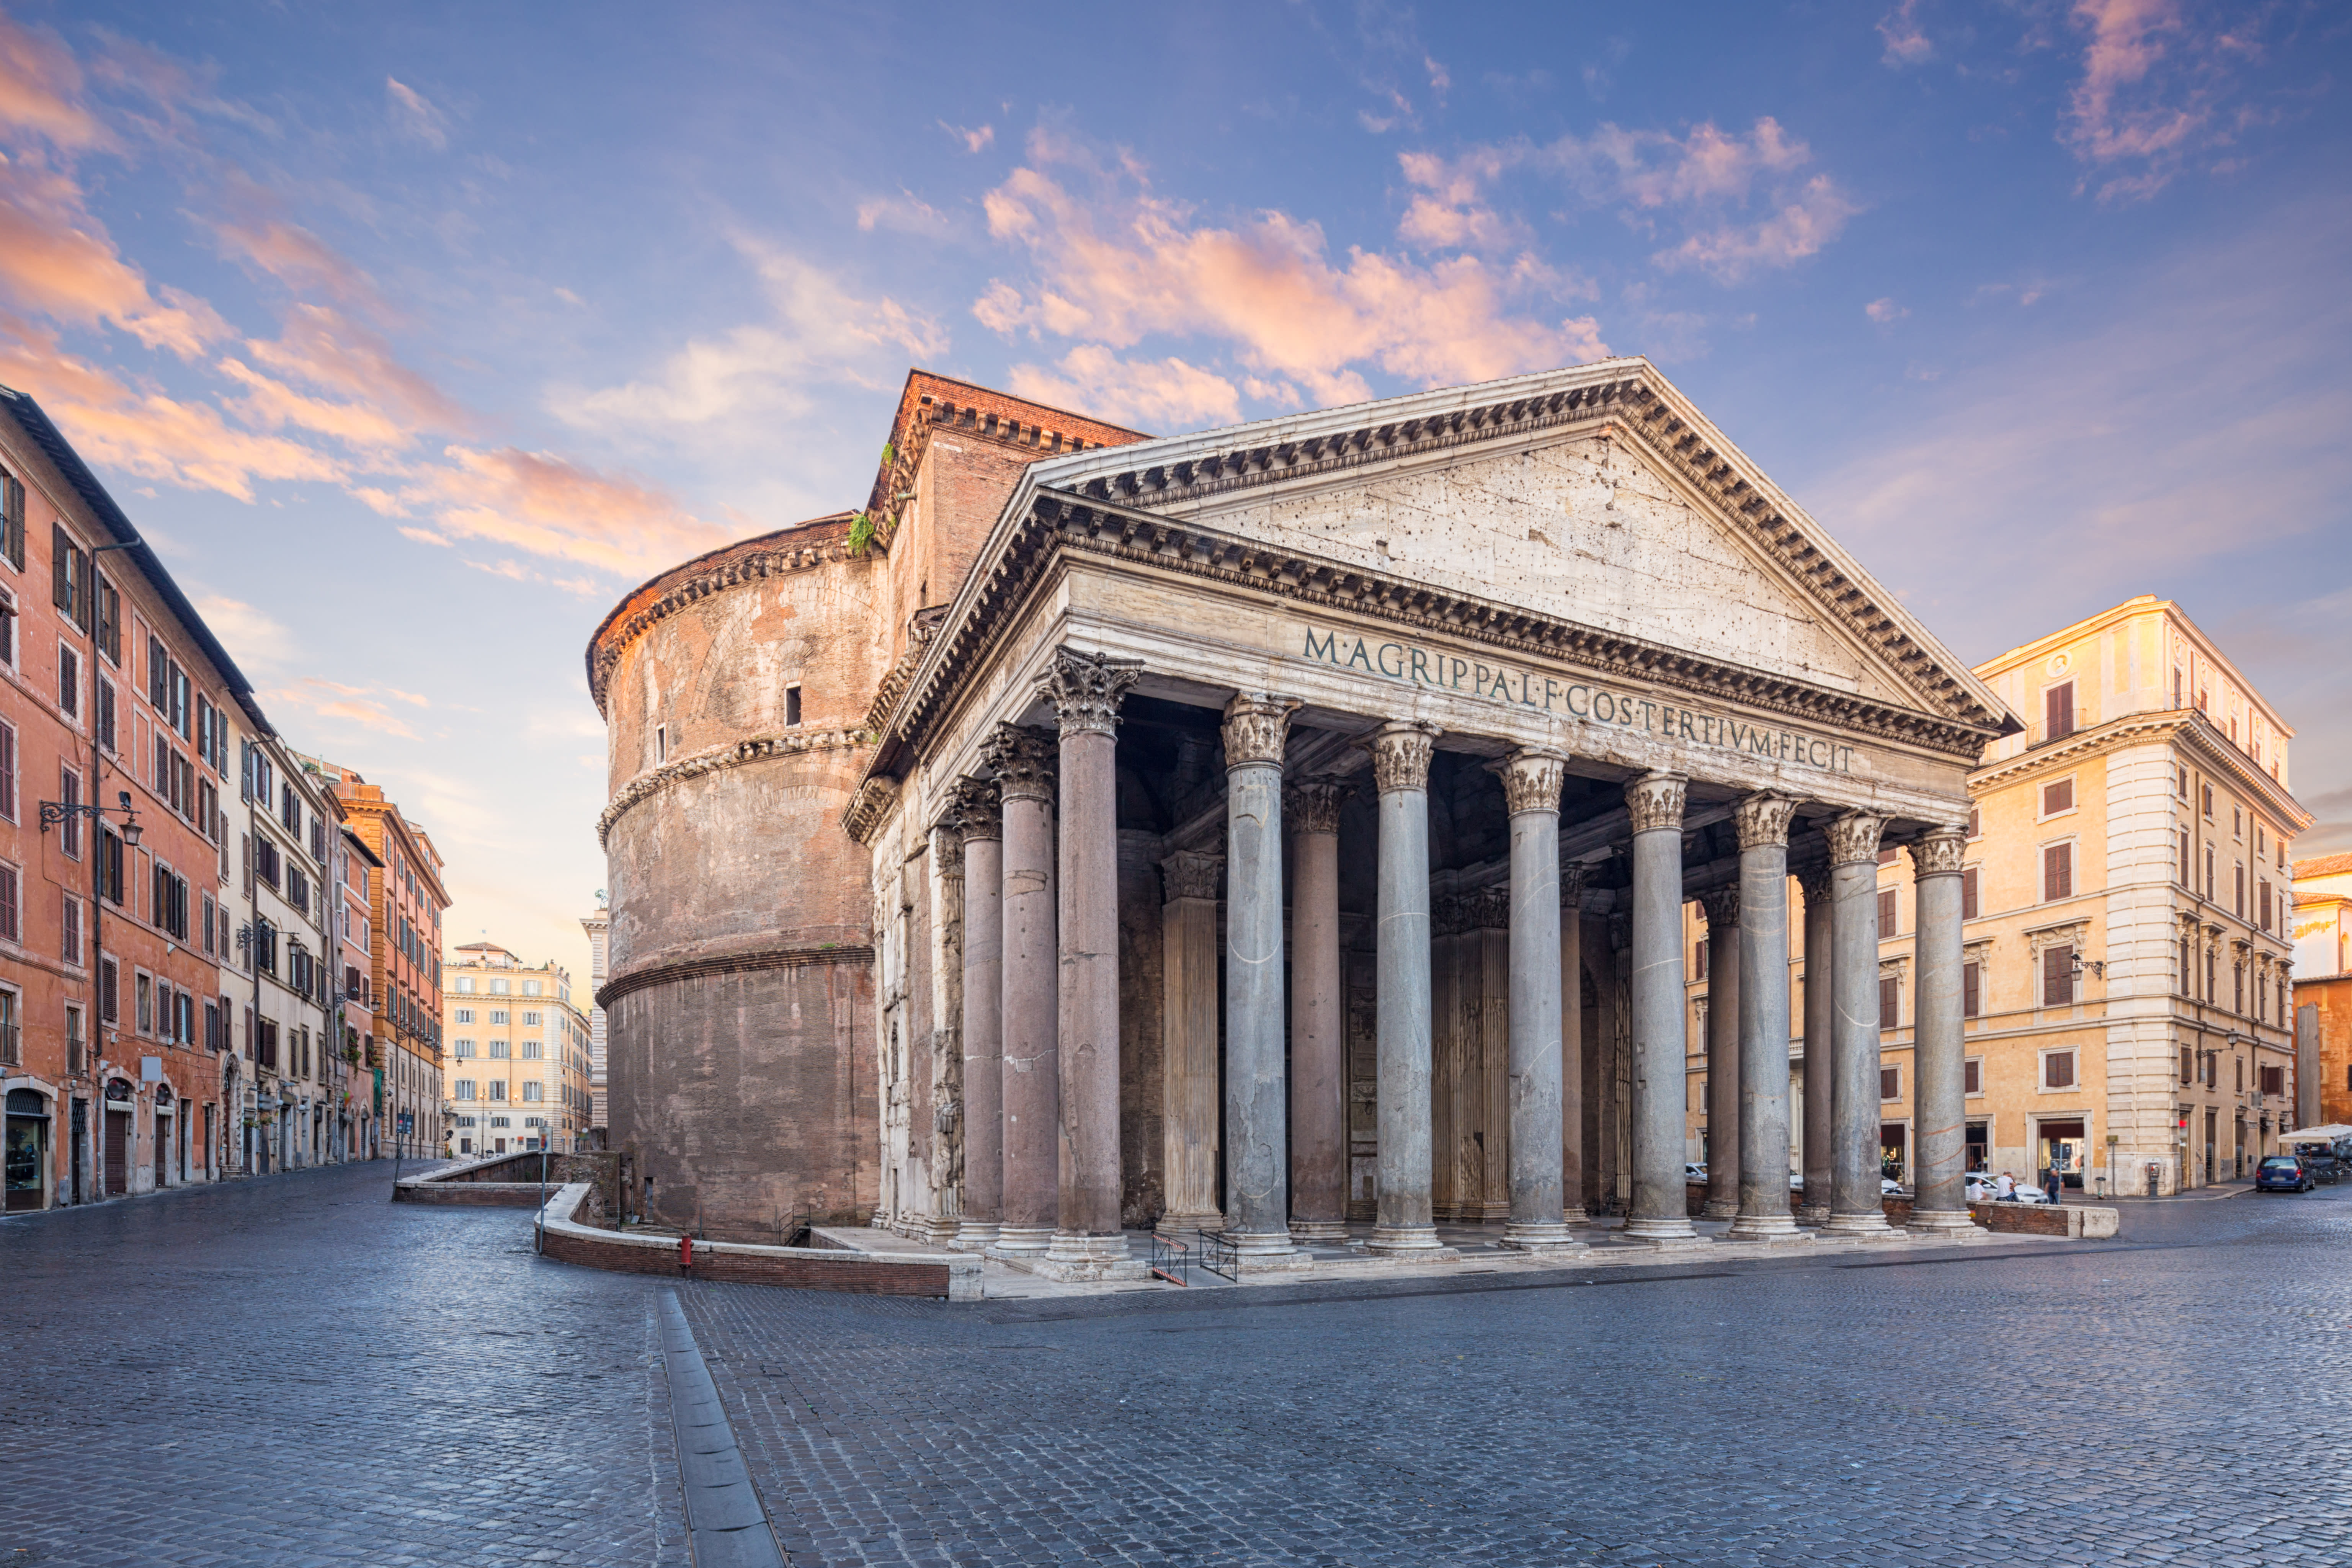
(1288, 827)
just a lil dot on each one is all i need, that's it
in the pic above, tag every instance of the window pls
(1973, 1076)
(145, 991)
(2058, 1069)
(499, 1050)
(12, 519)
(2188, 866)
(531, 1051)
(7, 628)
(2058, 711)
(464, 1015)
(2058, 798)
(464, 1089)
(1969, 910)
(2180, 778)
(466, 984)
(70, 947)
(2237, 821)
(2057, 872)
(497, 1017)
(110, 1009)
(70, 576)
(497, 1089)
(2209, 801)
(11, 914)
(661, 742)
(1890, 1083)
(2208, 873)
(1971, 990)
(1886, 913)
(109, 865)
(106, 714)
(1976, 822)
(169, 911)
(2274, 1080)
(1698, 958)
(531, 1019)
(1890, 1001)
(8, 772)
(267, 863)
(2262, 903)
(68, 681)
(533, 1092)
(464, 1048)
(2188, 1065)
(792, 706)
(2058, 976)
(501, 988)
(1886, 856)
(2238, 900)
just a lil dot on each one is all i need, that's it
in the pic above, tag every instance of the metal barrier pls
(1170, 1261)
(1218, 1256)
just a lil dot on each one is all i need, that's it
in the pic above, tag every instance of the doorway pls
(162, 1147)
(118, 1152)
(2063, 1147)
(1979, 1146)
(1895, 1152)
(28, 1151)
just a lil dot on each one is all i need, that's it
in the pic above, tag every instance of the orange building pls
(403, 986)
(114, 756)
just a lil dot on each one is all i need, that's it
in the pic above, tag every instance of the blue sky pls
(417, 334)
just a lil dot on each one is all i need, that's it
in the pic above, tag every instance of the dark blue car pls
(2282, 1173)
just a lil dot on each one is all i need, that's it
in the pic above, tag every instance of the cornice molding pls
(634, 980)
(735, 754)
(2214, 752)
(870, 809)
(787, 554)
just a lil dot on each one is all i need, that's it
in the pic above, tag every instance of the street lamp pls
(2095, 966)
(54, 812)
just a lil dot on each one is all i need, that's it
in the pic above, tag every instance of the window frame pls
(2072, 1055)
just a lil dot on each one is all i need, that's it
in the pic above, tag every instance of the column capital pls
(1939, 853)
(1763, 820)
(1400, 753)
(1722, 906)
(1654, 801)
(1531, 778)
(1085, 688)
(1022, 762)
(1312, 806)
(1192, 874)
(1571, 884)
(1813, 881)
(975, 810)
(1445, 917)
(1256, 725)
(1853, 838)
(1487, 907)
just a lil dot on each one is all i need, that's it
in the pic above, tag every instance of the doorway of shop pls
(2063, 1146)
(28, 1151)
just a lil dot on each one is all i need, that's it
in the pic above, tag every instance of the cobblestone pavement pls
(346, 1382)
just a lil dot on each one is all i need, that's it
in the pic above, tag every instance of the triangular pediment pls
(1595, 497)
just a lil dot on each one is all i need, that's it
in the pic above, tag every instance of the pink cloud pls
(57, 260)
(1798, 229)
(40, 89)
(2149, 91)
(1123, 263)
(327, 349)
(547, 505)
(1907, 43)
(1164, 394)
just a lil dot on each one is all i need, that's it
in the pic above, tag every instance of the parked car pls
(1889, 1187)
(2284, 1174)
(1979, 1187)
(1693, 1171)
(2321, 1163)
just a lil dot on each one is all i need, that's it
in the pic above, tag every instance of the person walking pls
(2052, 1183)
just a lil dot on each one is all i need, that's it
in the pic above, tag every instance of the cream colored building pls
(517, 1073)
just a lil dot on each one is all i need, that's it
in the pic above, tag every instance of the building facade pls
(117, 706)
(1288, 827)
(350, 928)
(2323, 984)
(285, 838)
(599, 927)
(517, 1068)
(404, 975)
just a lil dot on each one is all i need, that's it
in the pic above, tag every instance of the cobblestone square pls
(292, 1370)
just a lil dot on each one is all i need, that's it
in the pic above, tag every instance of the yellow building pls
(517, 1067)
(2129, 914)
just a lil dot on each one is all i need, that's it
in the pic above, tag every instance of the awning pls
(2328, 1134)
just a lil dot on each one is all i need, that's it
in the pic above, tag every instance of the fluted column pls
(1661, 1207)
(1855, 1206)
(1531, 780)
(1188, 928)
(1487, 1100)
(1024, 765)
(1318, 1035)
(1084, 690)
(1257, 1136)
(1400, 753)
(1939, 1057)
(1762, 821)
(1821, 1052)
(1722, 906)
(979, 814)
(1572, 1044)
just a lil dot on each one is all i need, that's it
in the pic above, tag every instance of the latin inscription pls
(1506, 686)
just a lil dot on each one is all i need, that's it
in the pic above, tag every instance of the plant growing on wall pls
(861, 533)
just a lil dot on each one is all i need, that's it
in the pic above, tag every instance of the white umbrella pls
(2328, 1134)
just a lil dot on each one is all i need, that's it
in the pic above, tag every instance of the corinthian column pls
(1531, 780)
(1572, 1044)
(1722, 908)
(1188, 929)
(1855, 1206)
(1821, 1052)
(1661, 1207)
(979, 814)
(1763, 824)
(1024, 765)
(1084, 690)
(1318, 1063)
(1258, 1156)
(1400, 754)
(1939, 1059)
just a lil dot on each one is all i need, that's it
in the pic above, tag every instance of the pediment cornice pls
(1056, 523)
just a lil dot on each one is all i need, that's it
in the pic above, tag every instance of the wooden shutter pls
(1890, 1083)
(2058, 1070)
(1886, 913)
(1887, 1001)
(1972, 1076)
(61, 568)
(1971, 990)
(2057, 977)
(2057, 797)
(2188, 1065)
(2058, 711)
(2057, 872)
(1968, 893)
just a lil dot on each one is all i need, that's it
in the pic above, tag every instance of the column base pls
(939, 1230)
(1667, 1229)
(1178, 1223)
(1394, 1238)
(1319, 1230)
(1944, 1225)
(1021, 1240)
(1261, 1244)
(974, 1235)
(1488, 1212)
(1089, 1271)
(1087, 1246)
(1870, 1226)
(1541, 1238)
(1814, 1215)
(1765, 1228)
(1719, 1208)
(1574, 1214)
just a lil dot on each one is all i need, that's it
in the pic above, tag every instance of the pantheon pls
(1280, 832)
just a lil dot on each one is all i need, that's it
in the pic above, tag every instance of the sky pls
(413, 336)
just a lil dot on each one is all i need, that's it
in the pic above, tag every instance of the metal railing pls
(1218, 1256)
(1170, 1261)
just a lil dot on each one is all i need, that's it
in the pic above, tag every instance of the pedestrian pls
(2004, 1190)
(2051, 1183)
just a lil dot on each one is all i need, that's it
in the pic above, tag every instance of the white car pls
(1694, 1172)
